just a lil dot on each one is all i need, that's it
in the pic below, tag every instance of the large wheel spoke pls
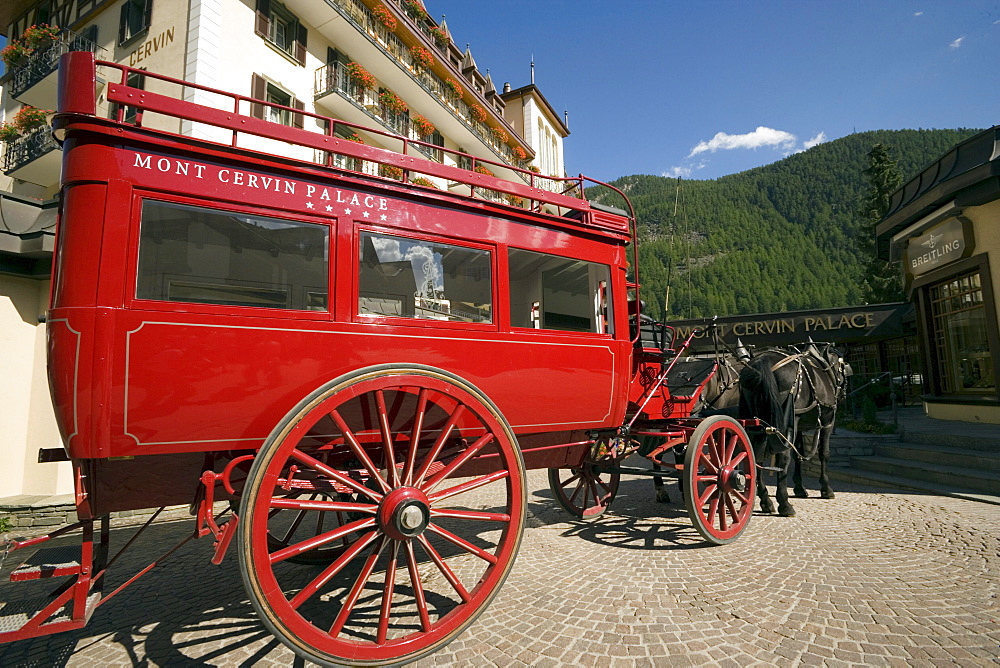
(466, 455)
(418, 425)
(446, 571)
(330, 571)
(336, 475)
(471, 515)
(355, 593)
(462, 543)
(468, 486)
(439, 444)
(418, 588)
(317, 541)
(320, 505)
(390, 584)
(358, 450)
(388, 449)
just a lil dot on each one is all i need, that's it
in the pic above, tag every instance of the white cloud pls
(957, 43)
(762, 136)
(818, 139)
(677, 172)
(918, 13)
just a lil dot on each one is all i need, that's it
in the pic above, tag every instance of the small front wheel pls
(720, 476)
(420, 485)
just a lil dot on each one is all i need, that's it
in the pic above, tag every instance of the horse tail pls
(760, 396)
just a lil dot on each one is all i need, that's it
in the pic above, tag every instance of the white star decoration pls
(309, 205)
(329, 208)
(347, 212)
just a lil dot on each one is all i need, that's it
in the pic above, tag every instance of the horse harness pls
(806, 372)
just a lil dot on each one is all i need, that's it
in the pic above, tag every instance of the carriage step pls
(15, 614)
(49, 562)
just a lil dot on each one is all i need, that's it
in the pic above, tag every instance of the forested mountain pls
(782, 237)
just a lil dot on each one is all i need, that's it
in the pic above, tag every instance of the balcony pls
(391, 46)
(33, 81)
(34, 157)
(333, 80)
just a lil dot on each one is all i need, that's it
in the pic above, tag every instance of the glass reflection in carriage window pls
(551, 292)
(204, 256)
(413, 278)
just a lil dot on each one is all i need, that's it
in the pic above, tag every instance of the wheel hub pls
(733, 479)
(404, 513)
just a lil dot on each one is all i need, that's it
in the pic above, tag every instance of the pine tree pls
(882, 281)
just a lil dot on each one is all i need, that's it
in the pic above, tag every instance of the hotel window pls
(135, 19)
(960, 335)
(282, 29)
(262, 89)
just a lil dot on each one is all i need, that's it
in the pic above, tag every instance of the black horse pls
(794, 393)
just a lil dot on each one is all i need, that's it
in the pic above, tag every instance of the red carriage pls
(361, 367)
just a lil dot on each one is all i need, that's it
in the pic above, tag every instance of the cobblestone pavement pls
(869, 578)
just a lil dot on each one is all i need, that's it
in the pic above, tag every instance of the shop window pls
(282, 29)
(551, 292)
(412, 278)
(960, 335)
(262, 89)
(134, 21)
(204, 256)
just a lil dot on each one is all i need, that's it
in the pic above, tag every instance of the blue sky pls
(702, 89)
(705, 89)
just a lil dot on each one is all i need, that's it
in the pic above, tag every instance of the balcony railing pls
(333, 78)
(44, 61)
(27, 148)
(364, 20)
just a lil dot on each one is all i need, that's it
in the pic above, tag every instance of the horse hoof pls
(767, 510)
(787, 512)
(662, 496)
(801, 494)
(828, 494)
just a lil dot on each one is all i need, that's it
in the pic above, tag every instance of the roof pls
(532, 89)
(968, 175)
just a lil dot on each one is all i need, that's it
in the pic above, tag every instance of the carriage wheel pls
(587, 490)
(720, 476)
(422, 476)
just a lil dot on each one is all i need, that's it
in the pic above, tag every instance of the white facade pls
(295, 53)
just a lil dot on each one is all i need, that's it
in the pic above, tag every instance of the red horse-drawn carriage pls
(361, 367)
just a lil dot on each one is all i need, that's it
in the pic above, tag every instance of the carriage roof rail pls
(511, 184)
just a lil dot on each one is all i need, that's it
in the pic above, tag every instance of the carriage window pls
(190, 254)
(411, 278)
(550, 292)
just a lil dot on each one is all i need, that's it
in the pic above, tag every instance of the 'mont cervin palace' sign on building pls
(855, 324)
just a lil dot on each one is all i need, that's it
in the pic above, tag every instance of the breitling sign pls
(944, 243)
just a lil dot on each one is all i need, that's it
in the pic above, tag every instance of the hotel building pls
(384, 64)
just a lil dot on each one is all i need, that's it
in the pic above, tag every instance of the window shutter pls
(298, 120)
(123, 24)
(263, 26)
(258, 90)
(300, 44)
(147, 15)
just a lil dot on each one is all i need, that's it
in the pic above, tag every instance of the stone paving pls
(873, 577)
